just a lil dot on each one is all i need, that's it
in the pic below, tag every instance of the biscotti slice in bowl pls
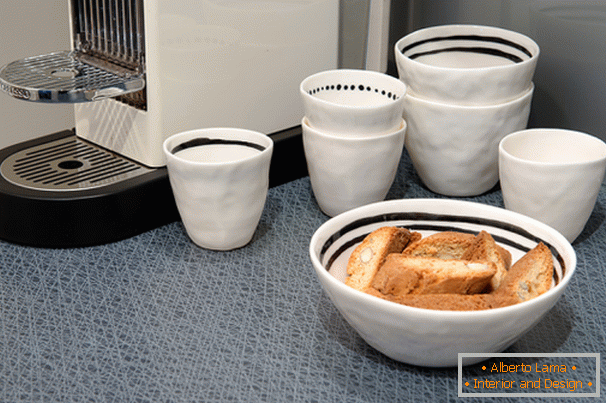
(367, 257)
(484, 248)
(402, 274)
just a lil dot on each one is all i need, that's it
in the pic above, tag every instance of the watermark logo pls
(525, 375)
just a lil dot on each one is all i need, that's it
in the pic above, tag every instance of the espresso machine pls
(139, 71)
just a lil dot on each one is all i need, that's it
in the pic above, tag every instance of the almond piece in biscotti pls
(402, 274)
(443, 245)
(369, 255)
(529, 277)
(485, 249)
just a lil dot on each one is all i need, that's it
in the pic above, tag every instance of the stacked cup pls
(468, 87)
(353, 136)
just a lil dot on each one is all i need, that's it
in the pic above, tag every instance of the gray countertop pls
(156, 319)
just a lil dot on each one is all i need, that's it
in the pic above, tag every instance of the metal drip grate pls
(107, 60)
(65, 77)
(68, 164)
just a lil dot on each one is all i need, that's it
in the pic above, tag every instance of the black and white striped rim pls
(434, 222)
(478, 48)
(205, 141)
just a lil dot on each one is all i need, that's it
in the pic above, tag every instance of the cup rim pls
(396, 81)
(354, 138)
(521, 98)
(400, 54)
(526, 132)
(217, 133)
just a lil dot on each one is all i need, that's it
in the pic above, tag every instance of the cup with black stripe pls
(219, 178)
(463, 64)
(468, 87)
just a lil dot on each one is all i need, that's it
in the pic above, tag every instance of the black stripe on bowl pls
(474, 49)
(452, 221)
(480, 50)
(205, 141)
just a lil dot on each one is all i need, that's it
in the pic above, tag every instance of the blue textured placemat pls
(156, 319)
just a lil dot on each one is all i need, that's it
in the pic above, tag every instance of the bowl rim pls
(400, 55)
(397, 82)
(368, 138)
(524, 97)
(341, 220)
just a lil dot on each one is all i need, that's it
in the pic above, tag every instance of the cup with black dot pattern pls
(349, 102)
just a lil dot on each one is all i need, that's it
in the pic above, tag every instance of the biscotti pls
(442, 302)
(442, 245)
(402, 274)
(447, 271)
(529, 277)
(484, 248)
(367, 257)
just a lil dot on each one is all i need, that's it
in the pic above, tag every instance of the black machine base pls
(98, 214)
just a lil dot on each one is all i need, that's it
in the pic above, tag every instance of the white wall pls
(31, 28)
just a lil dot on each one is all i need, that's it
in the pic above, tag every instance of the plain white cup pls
(552, 175)
(466, 64)
(347, 172)
(353, 102)
(220, 179)
(454, 148)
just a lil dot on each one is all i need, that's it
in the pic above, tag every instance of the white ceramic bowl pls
(353, 102)
(552, 175)
(466, 64)
(430, 337)
(348, 172)
(454, 148)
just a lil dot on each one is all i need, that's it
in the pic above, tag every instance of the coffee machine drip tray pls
(61, 191)
(67, 164)
(67, 77)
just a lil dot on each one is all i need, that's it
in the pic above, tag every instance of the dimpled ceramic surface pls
(428, 337)
(353, 102)
(348, 172)
(454, 149)
(466, 64)
(219, 178)
(552, 175)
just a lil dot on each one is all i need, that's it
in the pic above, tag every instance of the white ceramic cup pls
(353, 103)
(347, 172)
(552, 175)
(466, 64)
(454, 148)
(220, 179)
